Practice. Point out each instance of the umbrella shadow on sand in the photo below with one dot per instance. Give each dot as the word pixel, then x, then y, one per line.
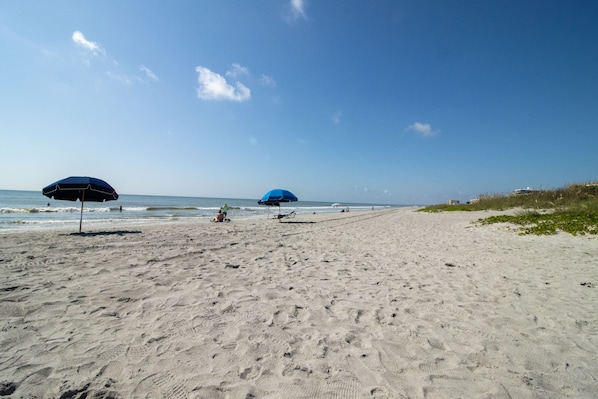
pixel 106 233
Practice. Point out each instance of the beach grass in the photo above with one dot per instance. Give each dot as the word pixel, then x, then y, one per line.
pixel 572 209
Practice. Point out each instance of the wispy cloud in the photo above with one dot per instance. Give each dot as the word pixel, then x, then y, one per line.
pixel 422 129
pixel 213 86
pixel 93 47
pixel 336 117
pixel 236 71
pixel 297 10
pixel 298 7
pixel 267 81
pixel 148 72
pixel 122 78
pixel 114 72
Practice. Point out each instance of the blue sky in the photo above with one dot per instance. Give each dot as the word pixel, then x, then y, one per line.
pixel 399 102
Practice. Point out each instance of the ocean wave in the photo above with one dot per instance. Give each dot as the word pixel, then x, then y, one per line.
pixel 53 210
pixel 172 208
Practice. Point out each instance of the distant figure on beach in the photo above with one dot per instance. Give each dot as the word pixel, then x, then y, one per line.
pixel 120 208
pixel 224 210
pixel 219 217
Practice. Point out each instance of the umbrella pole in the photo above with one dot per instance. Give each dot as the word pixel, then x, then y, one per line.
pixel 81 218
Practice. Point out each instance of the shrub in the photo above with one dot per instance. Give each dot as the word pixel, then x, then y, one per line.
pixel 572 209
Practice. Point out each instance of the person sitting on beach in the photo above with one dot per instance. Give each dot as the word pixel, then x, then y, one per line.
pixel 219 217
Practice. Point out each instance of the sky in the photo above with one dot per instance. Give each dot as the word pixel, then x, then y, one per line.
pixel 376 102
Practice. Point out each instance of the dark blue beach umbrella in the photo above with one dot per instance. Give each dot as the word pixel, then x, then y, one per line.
pixel 81 188
pixel 276 196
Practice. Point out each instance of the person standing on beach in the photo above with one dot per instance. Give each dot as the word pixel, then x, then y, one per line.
pixel 224 209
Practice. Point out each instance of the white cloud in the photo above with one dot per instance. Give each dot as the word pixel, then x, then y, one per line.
pixel 298 8
pixel 336 117
pixel 213 86
pixel 423 129
pixel 81 41
pixel 148 72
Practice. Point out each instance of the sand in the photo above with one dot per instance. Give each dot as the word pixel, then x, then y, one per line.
pixel 380 304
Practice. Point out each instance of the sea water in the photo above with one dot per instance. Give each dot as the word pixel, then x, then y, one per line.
pixel 20 210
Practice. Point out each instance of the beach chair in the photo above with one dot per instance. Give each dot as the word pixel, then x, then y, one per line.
pixel 289 215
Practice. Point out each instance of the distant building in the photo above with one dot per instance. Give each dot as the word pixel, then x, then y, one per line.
pixel 453 202
pixel 528 190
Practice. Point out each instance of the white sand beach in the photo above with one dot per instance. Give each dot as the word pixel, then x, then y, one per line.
pixel 380 304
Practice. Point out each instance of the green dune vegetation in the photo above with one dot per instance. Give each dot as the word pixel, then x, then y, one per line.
pixel 572 209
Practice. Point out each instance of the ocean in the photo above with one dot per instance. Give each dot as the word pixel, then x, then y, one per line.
pixel 21 210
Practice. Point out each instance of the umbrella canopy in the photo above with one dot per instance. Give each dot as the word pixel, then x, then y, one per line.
pixel 81 188
pixel 276 196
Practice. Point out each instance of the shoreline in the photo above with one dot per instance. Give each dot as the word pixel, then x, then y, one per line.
pixel 26 210
pixel 108 225
pixel 386 303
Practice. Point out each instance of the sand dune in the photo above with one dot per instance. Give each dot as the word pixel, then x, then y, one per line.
pixel 381 304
